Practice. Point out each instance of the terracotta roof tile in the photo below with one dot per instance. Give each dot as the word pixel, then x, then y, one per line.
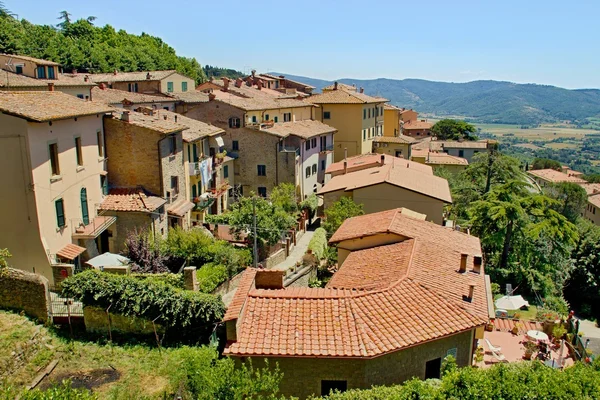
pixel 477 145
pixel 343 97
pixel 180 207
pixel 38 61
pixel 131 76
pixel 70 251
pixel 394 139
pixel 258 102
pixel 191 97
pixel 591 188
pixel 417 125
pixel 400 174
pixel 48 106
pixel 594 200
pixel 10 80
pixel 155 122
pixel 445 159
pixel 551 175
pixel 114 96
pixel 239 298
pixel 131 200
pixel 364 161
pixel 195 129
pixel 304 129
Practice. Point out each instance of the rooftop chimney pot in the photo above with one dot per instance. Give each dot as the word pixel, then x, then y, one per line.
pixel 463 263
pixel 50 86
pixel 115 72
pixel 148 76
pixel 125 116
pixel 471 293
pixel 345 167
pixel 362 90
pixel 477 261
pixel 86 78
pixel 382 159
pixel 225 84
pixel 335 86
pixel 211 96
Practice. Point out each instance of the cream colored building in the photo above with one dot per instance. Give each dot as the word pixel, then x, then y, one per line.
pixel 148 82
pixel 53 160
pixel 390 183
pixel 391 120
pixel 397 146
pixel 21 73
pixel 359 119
pixel 592 209
pixel 131 100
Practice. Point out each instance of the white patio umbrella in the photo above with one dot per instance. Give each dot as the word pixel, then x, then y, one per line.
pixel 511 302
pixel 108 260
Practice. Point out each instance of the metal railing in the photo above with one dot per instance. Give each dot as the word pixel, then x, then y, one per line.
pixel 326 148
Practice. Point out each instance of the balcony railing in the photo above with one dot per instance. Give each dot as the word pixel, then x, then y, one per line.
pixel 289 149
pixel 326 148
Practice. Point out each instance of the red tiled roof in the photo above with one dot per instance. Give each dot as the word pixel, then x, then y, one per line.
pixel 374 268
pixel 363 161
pixel 551 175
pixel 180 207
pixel 420 298
pixel 70 251
pixel 417 125
pixel 507 325
pixel 591 188
pixel 131 200
pixel 239 298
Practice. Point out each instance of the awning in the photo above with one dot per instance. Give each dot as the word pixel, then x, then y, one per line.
pixel 94 228
pixel 220 142
pixel 511 302
pixel 108 260
pixel 70 251
pixel 180 207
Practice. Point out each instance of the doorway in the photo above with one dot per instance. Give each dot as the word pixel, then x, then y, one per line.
pixel 433 368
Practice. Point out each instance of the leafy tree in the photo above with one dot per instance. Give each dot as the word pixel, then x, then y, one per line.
pixel 572 199
pixel 583 287
pixel 451 129
pixel 546 163
pixel 65 18
pixel 217 72
pixel 284 196
pixel 338 212
pixel 592 178
pixel 145 255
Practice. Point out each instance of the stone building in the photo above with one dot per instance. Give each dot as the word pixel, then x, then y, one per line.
pixel 397 146
pixel 148 82
pixel 146 150
pixel 132 100
pixel 53 161
pixel 407 294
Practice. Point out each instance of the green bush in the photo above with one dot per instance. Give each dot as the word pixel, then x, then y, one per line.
pixel 318 243
pixel 556 303
pixel 127 295
pixel 515 381
pixel 210 276
pixel 168 278
pixel 64 391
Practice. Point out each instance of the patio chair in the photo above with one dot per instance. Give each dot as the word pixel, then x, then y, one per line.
pixel 492 348
pixel 498 356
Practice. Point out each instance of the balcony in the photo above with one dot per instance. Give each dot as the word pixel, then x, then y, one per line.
pixel 289 149
pixel 326 149
pixel 93 229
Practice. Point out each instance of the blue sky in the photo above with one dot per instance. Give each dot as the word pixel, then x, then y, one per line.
pixel 548 42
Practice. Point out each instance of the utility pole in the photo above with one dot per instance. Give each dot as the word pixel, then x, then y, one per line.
pixel 254 250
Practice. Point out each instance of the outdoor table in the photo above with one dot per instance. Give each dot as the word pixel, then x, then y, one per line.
pixel 537 335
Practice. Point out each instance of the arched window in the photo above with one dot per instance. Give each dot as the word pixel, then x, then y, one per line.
pixel 85 215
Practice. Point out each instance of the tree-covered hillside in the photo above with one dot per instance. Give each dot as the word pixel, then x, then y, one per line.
pixel 79 44
pixel 483 101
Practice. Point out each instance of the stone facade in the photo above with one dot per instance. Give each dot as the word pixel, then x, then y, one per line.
pixel 303 377
pixel 143 86
pixel 27 292
pixel 131 221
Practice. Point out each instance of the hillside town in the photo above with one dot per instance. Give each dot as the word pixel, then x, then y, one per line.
pixel 323 231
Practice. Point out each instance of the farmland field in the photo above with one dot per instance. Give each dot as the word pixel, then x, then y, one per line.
pixel 544 132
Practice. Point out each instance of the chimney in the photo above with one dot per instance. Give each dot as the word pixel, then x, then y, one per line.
pixel 595 191
pixel 148 76
pixel 259 84
pixel 345 166
pixel 362 90
pixel 125 115
pixel 477 261
pixel 382 159
pixel 211 96
pixel 50 86
pixel 345 153
pixel 86 78
pixel 102 86
pixel 74 72
pixel 225 84
pixel 463 263
pixel 469 298
pixel 165 117
pixel 269 279
pixel 335 86
pixel 253 73
pixel 115 72
pixel 282 76
pixel 238 82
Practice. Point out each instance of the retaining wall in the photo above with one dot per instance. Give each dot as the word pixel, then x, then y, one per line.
pixel 24 291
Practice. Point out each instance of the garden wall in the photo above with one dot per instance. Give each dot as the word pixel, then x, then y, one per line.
pixel 24 291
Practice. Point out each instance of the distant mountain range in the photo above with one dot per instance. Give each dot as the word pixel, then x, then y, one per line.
pixel 480 101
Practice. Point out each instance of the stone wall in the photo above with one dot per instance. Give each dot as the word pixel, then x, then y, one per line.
pixel 274 259
pixel 150 86
pixel 130 221
pixel 60 272
pixel 301 277
pixel 96 321
pixel 229 285
pixel 27 292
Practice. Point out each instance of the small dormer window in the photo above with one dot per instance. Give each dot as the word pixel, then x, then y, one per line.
pixel 41 72
pixel 19 69
pixel 51 74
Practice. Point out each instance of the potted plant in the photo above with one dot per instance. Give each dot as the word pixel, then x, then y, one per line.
pixel 558 332
pixel 530 348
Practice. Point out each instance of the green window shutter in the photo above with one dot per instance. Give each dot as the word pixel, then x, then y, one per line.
pixel 60 213
pixel 226 171
pixel 170 87
pixel 195 153
pixel 85 216
pixel 184 86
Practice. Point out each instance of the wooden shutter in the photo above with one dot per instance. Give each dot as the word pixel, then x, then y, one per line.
pixel 60 213
pixel 85 216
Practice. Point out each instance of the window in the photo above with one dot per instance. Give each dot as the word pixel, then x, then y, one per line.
pixel 172 144
pixel 308 172
pixel 132 87
pixel 262 191
pixel 452 352
pixel 262 170
pixel 41 72
pixel 53 149
pixel 85 214
pixel 432 368
pixel 322 165
pixel 19 69
pixel 323 142
pixel 226 171
pixel 184 86
pixel 314 169
pixel 307 145
pixel 60 213
pixel 266 117
pixel 364 135
pixel 100 139
pixel 80 96
pixel 234 122
pixel 327 115
pixel 329 386
pixel 287 117
pixel 313 142
pixel 275 119
pixel 254 119
pixel 175 184
pixel 170 87
pixel 235 145
pixel 51 74
pixel 104 184
pixel 364 113
pixel 194 152
pixel 78 152
pixel 194 192
pixel 461 153
pixel 369 113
